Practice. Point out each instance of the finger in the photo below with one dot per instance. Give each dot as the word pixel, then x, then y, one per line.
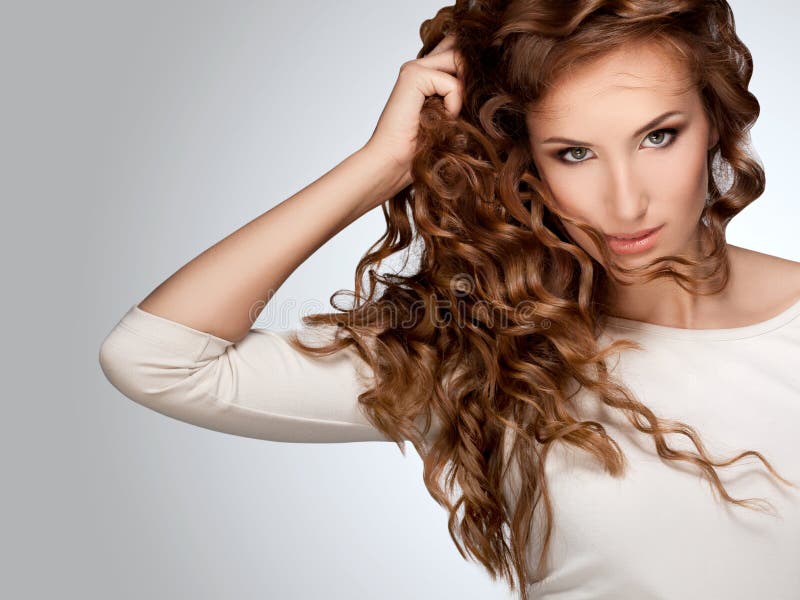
pixel 445 43
pixel 437 82
pixel 449 61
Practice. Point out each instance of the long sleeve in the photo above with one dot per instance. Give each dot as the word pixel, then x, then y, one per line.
pixel 259 387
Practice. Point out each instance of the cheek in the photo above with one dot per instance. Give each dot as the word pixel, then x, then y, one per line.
pixel 568 187
pixel 679 179
pixel 569 190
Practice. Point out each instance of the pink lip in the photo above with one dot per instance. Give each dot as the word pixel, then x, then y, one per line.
pixel 635 234
pixel 634 246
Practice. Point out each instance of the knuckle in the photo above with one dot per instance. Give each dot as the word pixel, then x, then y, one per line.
pixel 408 65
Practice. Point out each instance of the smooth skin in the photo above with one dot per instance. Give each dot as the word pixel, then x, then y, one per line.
pixel 622 182
pixel 223 290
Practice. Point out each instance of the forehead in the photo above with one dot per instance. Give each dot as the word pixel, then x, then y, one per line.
pixel 642 79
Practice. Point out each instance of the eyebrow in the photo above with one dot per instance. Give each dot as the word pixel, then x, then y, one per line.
pixel 638 132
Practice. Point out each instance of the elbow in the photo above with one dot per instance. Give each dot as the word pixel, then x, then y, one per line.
pixel 141 371
pixel 162 378
pixel 122 368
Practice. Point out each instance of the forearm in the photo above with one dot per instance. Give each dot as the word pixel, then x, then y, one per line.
pixel 217 291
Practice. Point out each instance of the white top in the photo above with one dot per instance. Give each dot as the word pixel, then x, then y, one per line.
pixel 657 533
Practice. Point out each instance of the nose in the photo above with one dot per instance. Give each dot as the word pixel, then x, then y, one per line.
pixel 627 198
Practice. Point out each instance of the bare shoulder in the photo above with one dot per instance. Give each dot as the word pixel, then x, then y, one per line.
pixel 772 266
pixel 772 281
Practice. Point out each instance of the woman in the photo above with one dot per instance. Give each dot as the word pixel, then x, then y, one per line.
pixel 568 384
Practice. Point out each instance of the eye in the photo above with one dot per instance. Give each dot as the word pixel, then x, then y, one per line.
pixel 581 153
pixel 672 132
pixel 656 137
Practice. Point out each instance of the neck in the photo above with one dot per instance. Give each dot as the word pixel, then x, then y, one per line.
pixel 664 302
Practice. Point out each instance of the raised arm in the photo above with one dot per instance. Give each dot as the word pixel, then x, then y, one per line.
pixel 188 350
pixel 219 291
pixel 258 387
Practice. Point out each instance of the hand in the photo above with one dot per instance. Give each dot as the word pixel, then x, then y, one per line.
pixel 438 72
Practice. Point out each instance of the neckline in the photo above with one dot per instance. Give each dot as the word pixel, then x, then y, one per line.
pixel 729 333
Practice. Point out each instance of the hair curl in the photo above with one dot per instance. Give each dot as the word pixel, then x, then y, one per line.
pixel 504 309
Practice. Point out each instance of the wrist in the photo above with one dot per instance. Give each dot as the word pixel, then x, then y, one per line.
pixel 390 177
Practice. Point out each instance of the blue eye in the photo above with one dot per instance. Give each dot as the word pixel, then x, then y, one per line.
pixel 671 131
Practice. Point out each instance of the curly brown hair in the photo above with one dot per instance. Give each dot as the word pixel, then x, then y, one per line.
pixel 475 352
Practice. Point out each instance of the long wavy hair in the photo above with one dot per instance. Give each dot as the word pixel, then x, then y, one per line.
pixel 474 350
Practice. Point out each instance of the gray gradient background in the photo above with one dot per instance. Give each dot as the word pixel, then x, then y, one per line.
pixel 136 135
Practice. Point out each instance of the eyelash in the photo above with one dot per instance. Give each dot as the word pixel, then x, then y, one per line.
pixel 673 131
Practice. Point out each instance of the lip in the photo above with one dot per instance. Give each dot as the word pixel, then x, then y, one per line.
pixel 635 234
pixel 645 240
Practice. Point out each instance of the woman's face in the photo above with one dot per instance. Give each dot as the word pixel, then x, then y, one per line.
pixel 618 165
